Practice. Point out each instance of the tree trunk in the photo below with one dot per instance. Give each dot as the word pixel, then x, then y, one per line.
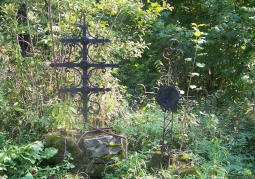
pixel 24 39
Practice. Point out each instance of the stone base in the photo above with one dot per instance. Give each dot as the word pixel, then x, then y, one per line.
pixel 92 155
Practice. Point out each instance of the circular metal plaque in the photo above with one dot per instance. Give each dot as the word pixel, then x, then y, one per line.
pixel 167 97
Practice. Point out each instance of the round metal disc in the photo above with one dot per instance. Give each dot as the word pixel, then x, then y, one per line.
pixel 167 97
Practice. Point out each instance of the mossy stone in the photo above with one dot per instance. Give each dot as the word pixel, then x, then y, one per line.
pixel 156 160
pixel 64 145
pixel 83 155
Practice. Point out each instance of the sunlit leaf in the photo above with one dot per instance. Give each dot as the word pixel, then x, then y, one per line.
pixel 181 92
pixel 197 33
pixel 54 111
pixel 195 74
pixel 188 59
pixel 73 110
pixel 49 152
pixel 192 86
pixel 36 146
pixel 201 65
pixel 217 29
pixel 201 25
pixel 17 108
pixel 7 159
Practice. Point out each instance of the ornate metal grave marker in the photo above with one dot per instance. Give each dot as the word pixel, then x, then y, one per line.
pixel 85 88
pixel 168 95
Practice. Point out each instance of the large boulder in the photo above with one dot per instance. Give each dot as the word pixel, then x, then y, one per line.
pixel 99 147
pixel 92 153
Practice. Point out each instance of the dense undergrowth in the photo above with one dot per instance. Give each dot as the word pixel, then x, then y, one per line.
pixel 215 144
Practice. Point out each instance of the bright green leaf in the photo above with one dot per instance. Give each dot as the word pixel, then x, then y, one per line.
pixel 197 33
pixel 7 159
pixel 2 155
pixel 49 152
pixel 17 108
pixel 28 176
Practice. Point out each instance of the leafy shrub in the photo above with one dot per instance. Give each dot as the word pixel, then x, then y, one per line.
pixel 25 161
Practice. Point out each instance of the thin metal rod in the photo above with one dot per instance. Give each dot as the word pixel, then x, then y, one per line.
pixel 85 73
pixel 163 134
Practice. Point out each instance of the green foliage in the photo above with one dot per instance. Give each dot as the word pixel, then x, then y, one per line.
pixel 226 53
pixel 211 150
pixel 144 130
pixel 18 162
pixel 57 171
pixel 27 162
pixel 65 115
pixel 135 168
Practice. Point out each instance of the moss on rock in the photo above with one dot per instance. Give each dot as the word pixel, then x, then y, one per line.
pixel 64 144
pixel 94 154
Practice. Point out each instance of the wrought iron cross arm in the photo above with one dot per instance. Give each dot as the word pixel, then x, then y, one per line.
pixel 84 90
pixel 66 64
pixel 96 90
pixel 71 90
pixel 103 40
pixel 84 64
pixel 86 40
pixel 70 40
